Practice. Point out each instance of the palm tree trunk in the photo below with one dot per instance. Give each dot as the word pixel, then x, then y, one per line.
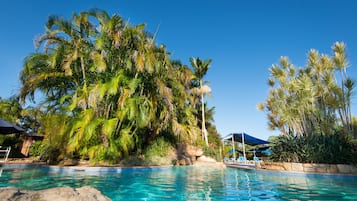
pixel 204 131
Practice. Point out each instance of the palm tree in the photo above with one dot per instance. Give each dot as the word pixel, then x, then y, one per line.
pixel 133 97
pixel 63 65
pixel 200 69
pixel 10 109
pixel 120 90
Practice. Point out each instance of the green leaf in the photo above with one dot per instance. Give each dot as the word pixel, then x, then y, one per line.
pixel 109 127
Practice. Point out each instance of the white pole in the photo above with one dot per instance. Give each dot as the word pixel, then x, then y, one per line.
pixel 234 151
pixel 204 131
pixel 245 159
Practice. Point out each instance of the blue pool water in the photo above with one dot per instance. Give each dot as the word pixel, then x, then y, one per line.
pixel 186 183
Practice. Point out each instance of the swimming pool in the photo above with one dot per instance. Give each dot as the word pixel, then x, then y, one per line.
pixel 185 183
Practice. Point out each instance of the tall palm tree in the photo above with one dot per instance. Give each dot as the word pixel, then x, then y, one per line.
pixel 200 69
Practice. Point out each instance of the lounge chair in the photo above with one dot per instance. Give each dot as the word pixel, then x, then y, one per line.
pixel 256 159
pixel 4 154
pixel 244 162
pixel 228 160
pixel 241 159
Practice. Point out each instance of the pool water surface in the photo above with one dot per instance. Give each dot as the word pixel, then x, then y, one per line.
pixel 186 183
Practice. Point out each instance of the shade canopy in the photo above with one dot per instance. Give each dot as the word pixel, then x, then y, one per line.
pixel 248 139
pixel 8 128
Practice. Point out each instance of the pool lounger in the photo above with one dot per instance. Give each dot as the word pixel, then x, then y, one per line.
pixel 4 154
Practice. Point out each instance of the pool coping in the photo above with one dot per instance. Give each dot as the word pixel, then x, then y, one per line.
pixel 253 168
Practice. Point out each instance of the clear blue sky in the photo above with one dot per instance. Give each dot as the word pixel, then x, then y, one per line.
pixel 243 38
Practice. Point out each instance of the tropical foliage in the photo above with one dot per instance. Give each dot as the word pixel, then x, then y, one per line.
pixel 200 69
pixel 314 99
pixel 311 107
pixel 114 88
pixel 10 109
pixel 317 148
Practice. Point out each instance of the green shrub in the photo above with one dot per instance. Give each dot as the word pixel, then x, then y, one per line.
pixel 159 161
pixel 50 154
pixel 36 149
pixel 159 147
pixel 132 161
pixel 45 152
pixel 160 152
pixel 315 148
pixel 212 152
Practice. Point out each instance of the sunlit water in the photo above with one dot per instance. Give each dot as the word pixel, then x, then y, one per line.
pixel 186 183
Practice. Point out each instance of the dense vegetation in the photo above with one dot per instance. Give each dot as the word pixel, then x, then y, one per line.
pixel 311 107
pixel 111 92
pixel 315 148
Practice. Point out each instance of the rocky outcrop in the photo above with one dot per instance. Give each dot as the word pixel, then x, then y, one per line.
pixel 187 154
pixel 85 193
pixel 192 150
pixel 191 155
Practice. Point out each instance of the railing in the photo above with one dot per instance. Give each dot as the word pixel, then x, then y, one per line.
pixel 4 154
pixel 242 161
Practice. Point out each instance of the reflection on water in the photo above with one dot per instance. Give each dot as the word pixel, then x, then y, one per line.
pixel 309 187
pixel 189 183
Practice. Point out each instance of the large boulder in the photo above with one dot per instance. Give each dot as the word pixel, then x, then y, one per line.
pixel 189 150
pixel 193 151
pixel 187 154
pixel 85 193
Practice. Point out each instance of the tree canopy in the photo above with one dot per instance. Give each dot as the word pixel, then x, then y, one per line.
pixel 115 87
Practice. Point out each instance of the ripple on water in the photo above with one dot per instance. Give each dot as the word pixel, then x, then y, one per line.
pixel 187 183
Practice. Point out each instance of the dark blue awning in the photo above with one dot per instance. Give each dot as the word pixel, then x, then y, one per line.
pixel 8 128
pixel 248 139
